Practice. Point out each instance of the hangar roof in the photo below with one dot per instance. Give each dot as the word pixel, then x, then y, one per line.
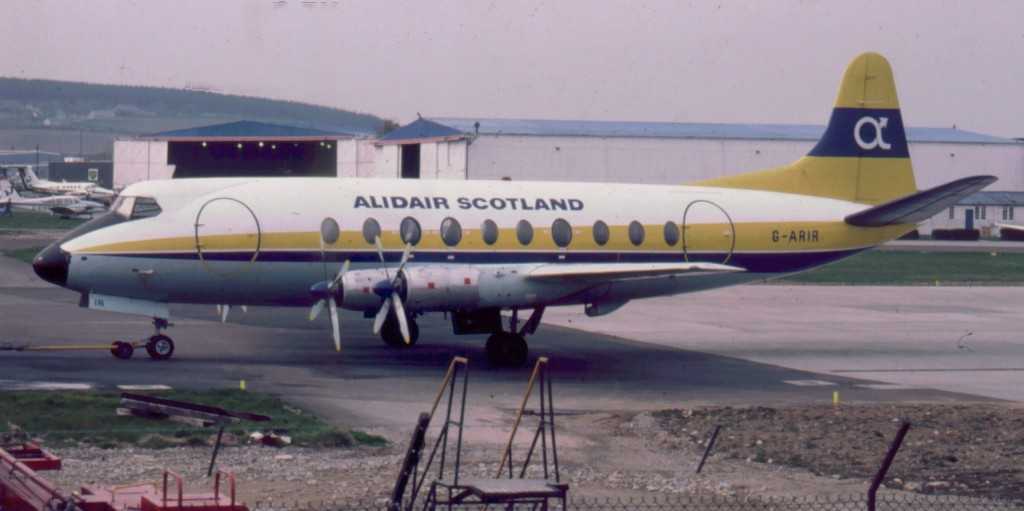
pixel 994 199
pixel 447 127
pixel 247 130
pixel 423 129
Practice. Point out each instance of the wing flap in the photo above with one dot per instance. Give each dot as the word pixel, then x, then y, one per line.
pixel 920 206
pixel 627 270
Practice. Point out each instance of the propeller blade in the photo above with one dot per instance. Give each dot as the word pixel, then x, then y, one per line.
pixel 224 313
pixel 380 247
pixel 382 314
pixel 245 309
pixel 405 258
pixel 341 273
pixel 315 311
pixel 335 324
pixel 403 325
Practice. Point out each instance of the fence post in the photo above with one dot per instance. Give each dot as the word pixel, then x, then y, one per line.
pixel 707 450
pixel 884 469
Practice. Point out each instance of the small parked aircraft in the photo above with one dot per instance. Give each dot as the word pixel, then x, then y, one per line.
pixel 395 249
pixel 85 189
pixel 67 206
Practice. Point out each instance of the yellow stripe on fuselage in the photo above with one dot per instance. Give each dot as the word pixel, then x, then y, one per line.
pixel 749 237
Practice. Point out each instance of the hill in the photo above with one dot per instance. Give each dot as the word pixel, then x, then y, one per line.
pixel 49 111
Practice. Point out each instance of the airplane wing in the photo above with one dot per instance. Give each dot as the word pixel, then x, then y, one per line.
pixel 1011 227
pixel 605 272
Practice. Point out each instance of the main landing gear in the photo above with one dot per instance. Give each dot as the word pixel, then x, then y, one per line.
pixel 391 332
pixel 159 346
pixel 509 349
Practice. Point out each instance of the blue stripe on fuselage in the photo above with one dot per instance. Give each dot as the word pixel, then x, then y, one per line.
pixel 765 262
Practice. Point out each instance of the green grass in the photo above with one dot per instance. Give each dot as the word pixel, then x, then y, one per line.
pixel 71 418
pixel 30 220
pixel 22 254
pixel 919 268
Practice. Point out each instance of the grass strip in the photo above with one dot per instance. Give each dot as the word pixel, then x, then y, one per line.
pixel 918 268
pixel 63 418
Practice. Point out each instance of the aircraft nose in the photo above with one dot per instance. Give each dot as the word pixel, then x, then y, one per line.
pixel 51 264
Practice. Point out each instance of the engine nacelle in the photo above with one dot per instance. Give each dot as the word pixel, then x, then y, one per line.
pixel 358 286
pixel 441 287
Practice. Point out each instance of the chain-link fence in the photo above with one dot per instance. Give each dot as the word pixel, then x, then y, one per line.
pixel 885 502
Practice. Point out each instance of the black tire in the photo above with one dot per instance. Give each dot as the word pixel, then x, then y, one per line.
pixel 507 350
pixel 391 332
pixel 160 347
pixel 122 350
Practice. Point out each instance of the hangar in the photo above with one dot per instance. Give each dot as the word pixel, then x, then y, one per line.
pixel 658 153
pixel 243 148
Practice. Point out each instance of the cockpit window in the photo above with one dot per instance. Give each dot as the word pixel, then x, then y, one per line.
pixel 145 207
pixel 123 206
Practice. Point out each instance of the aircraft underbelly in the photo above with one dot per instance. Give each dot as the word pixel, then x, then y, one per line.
pixel 243 282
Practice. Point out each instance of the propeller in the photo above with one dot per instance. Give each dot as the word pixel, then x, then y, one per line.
pixel 327 291
pixel 390 293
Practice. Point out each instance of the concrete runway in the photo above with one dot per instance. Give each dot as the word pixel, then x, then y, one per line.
pixel 723 347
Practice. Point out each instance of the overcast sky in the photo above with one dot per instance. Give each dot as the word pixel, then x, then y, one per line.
pixel 956 63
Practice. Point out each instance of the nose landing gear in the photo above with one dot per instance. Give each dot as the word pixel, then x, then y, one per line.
pixel 158 347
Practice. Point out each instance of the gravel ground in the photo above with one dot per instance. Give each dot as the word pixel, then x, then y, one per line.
pixel 970 449
pixel 601 455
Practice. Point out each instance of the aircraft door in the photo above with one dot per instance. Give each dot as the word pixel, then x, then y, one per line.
pixel 709 234
pixel 228 236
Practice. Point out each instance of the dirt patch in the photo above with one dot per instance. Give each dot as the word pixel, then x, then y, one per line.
pixel 971 449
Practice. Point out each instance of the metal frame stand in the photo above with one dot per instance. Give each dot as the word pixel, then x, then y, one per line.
pixel 511 491
pixel 411 466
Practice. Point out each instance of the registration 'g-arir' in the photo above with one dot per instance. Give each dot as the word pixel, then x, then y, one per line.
pixel 396 249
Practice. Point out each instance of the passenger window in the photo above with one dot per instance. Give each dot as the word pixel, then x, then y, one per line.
pixel 371 230
pixel 636 233
pixel 524 232
pixel 410 231
pixel 671 233
pixel 561 232
pixel 145 207
pixel 489 229
pixel 329 231
pixel 451 231
pixel 601 233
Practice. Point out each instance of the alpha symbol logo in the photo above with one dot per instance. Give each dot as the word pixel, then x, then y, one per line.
pixel 879 124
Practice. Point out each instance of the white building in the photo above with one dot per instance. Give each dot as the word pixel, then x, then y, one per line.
pixel 663 153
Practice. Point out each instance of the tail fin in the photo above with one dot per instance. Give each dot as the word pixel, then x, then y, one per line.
pixel 862 156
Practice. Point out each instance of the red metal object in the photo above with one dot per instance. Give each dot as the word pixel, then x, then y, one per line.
pixel 22 489
pixel 34 457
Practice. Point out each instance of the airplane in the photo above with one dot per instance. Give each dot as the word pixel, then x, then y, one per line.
pixel 397 249
pixel 92 191
pixel 67 206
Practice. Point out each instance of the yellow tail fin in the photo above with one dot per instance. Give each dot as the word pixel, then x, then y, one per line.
pixel 862 156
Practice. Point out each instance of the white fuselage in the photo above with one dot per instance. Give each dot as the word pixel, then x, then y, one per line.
pixel 259 241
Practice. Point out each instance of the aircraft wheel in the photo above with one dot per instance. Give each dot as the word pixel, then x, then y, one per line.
pixel 391 333
pixel 122 350
pixel 160 347
pixel 507 350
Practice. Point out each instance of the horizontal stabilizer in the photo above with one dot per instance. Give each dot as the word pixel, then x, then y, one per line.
pixel 626 270
pixel 920 206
